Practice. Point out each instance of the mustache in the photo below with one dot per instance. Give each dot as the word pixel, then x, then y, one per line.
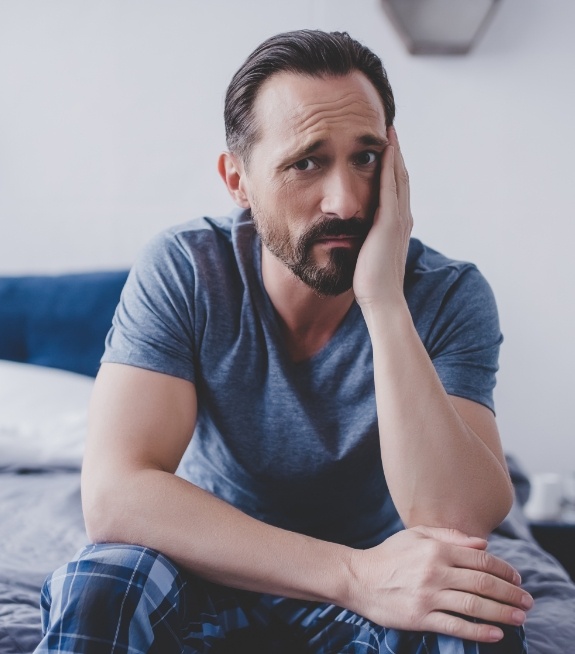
pixel 337 227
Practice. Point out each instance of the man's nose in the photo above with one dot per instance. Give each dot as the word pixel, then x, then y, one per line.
pixel 341 198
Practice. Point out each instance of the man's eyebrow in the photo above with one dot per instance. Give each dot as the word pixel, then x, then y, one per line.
pixel 375 141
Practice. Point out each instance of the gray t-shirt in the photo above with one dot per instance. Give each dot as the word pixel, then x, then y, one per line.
pixel 293 444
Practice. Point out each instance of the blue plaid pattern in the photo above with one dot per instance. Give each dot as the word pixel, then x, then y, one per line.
pixel 125 599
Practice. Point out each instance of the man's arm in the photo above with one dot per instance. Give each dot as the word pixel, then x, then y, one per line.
pixel 140 425
pixel 442 456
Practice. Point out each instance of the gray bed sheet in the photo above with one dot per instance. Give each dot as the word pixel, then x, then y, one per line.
pixel 41 527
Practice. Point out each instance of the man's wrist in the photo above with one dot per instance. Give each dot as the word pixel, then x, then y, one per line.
pixel 386 311
pixel 339 578
pixel 355 584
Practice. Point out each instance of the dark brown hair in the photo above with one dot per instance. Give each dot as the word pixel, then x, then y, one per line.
pixel 305 52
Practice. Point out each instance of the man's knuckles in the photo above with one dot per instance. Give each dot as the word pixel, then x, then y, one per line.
pixel 451 625
pixel 483 561
pixel 454 626
pixel 470 605
pixel 484 584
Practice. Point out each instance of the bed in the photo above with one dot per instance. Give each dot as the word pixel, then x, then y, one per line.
pixel 52 331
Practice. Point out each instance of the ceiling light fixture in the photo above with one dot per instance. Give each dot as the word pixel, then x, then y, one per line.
pixel 440 26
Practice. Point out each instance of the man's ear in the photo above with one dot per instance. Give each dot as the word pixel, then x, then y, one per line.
pixel 232 171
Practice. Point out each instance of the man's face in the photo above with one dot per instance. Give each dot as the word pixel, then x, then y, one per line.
pixel 313 175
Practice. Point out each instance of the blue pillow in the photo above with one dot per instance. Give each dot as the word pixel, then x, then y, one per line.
pixel 58 321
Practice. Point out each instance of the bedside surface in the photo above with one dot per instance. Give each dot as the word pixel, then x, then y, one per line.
pixel 557 538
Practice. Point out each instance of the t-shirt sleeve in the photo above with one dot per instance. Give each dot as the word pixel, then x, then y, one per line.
pixel 464 339
pixel 153 326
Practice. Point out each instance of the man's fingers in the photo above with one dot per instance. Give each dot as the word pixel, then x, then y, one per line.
pixel 453 625
pixel 482 608
pixel 401 178
pixel 388 186
pixel 452 536
pixel 470 553
pixel 388 200
pixel 485 585
pixel 474 570
pixel 448 584
pixel 482 561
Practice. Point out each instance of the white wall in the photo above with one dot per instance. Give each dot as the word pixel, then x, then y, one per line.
pixel 110 126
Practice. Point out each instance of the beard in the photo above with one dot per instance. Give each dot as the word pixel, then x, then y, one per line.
pixel 333 277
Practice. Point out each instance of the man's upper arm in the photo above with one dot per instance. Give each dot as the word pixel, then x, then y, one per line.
pixel 138 419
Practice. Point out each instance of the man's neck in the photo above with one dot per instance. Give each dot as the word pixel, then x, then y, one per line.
pixel 308 321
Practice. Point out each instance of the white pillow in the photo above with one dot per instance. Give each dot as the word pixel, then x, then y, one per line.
pixel 43 416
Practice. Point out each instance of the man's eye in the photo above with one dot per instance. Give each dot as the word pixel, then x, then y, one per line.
pixel 366 158
pixel 305 164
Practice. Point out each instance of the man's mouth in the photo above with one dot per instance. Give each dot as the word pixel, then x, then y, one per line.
pixel 332 233
pixel 340 240
pixel 334 229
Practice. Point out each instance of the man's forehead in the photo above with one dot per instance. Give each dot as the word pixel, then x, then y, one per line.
pixel 291 101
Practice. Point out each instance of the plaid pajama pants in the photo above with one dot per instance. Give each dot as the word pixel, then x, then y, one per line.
pixel 124 599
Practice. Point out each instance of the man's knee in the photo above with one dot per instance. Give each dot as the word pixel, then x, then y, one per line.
pixel 112 579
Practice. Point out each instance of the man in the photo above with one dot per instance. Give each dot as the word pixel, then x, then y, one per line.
pixel 310 347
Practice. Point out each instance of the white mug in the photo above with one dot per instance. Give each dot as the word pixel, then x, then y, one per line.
pixel 546 497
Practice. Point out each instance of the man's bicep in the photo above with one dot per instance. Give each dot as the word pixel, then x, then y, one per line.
pixel 139 419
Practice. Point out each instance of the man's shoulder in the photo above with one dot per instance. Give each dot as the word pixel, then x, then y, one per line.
pixel 221 227
pixel 422 259
pixel 434 280
pixel 198 239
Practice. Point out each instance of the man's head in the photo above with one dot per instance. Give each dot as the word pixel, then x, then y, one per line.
pixel 306 121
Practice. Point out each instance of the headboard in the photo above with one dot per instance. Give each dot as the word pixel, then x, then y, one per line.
pixel 59 321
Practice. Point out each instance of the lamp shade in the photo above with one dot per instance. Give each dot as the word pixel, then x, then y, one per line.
pixel 440 26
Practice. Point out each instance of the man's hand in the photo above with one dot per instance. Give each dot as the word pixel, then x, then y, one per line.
pixel 419 578
pixel 380 266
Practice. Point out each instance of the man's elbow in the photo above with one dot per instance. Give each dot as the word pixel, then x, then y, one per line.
pixel 502 506
pixel 105 513
pixel 491 514
pixel 478 519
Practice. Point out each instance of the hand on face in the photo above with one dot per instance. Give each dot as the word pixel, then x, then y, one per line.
pixel 380 266
pixel 424 579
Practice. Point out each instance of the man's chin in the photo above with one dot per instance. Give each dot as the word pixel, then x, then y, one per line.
pixel 326 283
pixel 333 291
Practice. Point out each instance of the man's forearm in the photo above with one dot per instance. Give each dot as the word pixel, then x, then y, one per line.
pixel 214 540
pixel 439 472
pixel 384 584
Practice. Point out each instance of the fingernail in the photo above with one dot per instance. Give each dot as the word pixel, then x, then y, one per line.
pixel 518 617
pixel 527 601
pixel 495 634
pixel 517 579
